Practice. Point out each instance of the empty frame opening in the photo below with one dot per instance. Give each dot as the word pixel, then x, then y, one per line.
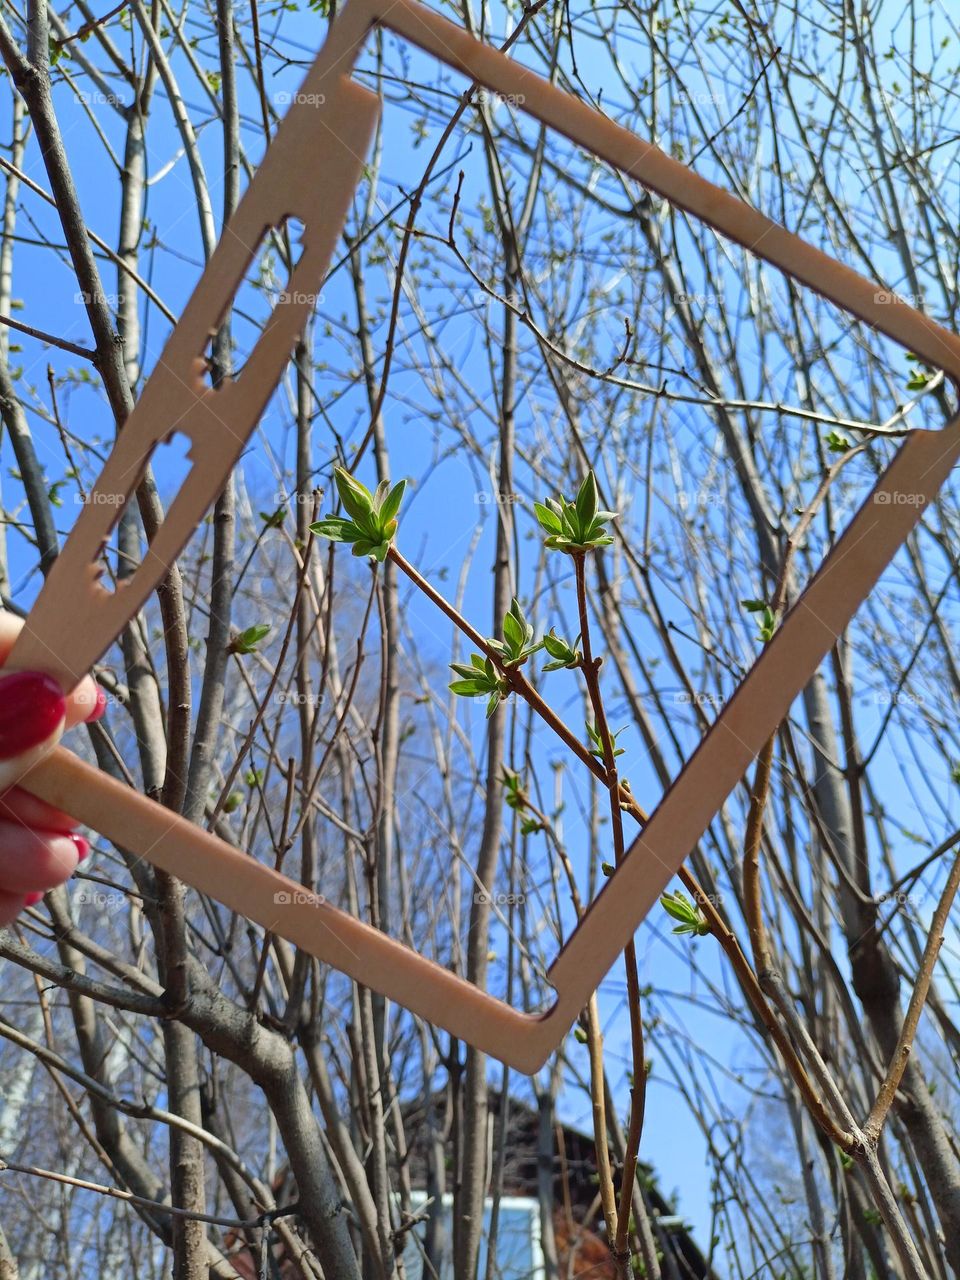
pixel 267 282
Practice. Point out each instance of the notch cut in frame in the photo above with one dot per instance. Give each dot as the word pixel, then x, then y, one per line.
pixel 331 113
pixel 218 421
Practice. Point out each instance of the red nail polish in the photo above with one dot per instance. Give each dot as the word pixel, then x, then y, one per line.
pixel 83 846
pixel 31 706
pixel 100 708
pixel 32 899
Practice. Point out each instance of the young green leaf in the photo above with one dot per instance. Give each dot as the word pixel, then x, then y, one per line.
pixel 467 688
pixel 468 673
pixel 575 526
pixel 597 740
pixel 768 624
pixel 563 654
pixel 587 500
pixel 373 525
pixel 517 644
pixel 334 528
pixel 391 503
pixel 479 679
pixel 548 519
pixel 512 631
pixel 514 794
pixel 691 919
pixel 356 497
pixel 247 641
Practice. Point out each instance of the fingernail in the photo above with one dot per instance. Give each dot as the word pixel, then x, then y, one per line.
pixel 32 899
pixel 31 706
pixel 83 846
pixel 99 708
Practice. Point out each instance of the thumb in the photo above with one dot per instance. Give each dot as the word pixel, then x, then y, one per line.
pixel 32 708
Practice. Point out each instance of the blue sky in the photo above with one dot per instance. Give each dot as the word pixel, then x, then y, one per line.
pixel 441 513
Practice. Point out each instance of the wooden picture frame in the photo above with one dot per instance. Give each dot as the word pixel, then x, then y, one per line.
pixel 75 618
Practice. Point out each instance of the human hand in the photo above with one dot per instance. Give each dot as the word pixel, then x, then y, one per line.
pixel 38 849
